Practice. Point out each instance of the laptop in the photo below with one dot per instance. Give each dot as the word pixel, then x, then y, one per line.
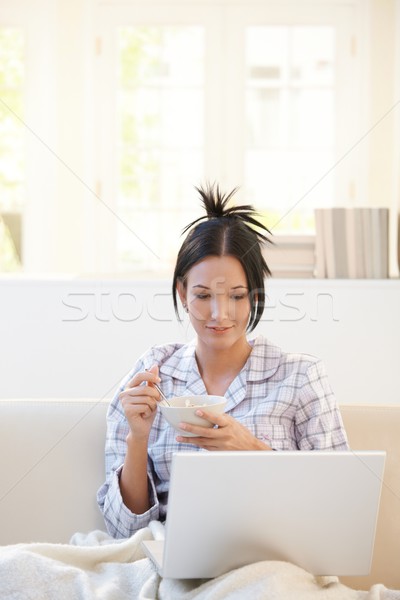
pixel 315 509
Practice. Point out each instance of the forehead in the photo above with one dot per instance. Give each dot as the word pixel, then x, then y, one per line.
pixel 217 270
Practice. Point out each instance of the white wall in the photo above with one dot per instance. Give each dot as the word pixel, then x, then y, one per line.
pixel 78 338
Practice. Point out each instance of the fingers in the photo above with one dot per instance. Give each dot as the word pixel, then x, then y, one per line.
pixel 139 404
pixel 140 391
pixel 226 436
pixel 142 407
pixel 198 432
pixel 216 419
pixel 221 421
pixel 230 436
pixel 150 376
pixel 145 411
pixel 139 398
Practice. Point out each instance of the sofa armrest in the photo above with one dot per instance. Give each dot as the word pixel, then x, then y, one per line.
pixel 377 427
pixel 51 465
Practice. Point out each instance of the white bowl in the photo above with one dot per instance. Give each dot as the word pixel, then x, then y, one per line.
pixel 179 412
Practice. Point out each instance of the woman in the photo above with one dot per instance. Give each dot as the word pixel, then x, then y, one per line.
pixel 275 400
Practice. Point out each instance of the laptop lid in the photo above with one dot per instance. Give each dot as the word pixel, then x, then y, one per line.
pixel 316 509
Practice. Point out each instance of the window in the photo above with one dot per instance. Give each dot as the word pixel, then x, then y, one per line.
pixel 121 108
pixel 12 145
pixel 248 95
pixel 160 141
pixel 290 120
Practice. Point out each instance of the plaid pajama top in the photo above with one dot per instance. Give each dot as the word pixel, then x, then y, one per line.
pixel 284 400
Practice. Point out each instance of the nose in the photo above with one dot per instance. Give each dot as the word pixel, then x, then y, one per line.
pixel 220 308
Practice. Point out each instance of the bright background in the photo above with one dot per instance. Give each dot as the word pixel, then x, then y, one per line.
pixel 111 111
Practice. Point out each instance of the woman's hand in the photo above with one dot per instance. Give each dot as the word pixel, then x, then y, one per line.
pixel 140 402
pixel 228 435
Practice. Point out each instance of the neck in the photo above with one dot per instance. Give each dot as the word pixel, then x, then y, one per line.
pixel 217 367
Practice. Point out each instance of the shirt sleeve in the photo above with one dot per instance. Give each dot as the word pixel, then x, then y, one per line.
pixel 319 424
pixel 120 521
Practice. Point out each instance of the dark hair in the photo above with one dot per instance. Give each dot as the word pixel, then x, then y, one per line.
pixel 226 231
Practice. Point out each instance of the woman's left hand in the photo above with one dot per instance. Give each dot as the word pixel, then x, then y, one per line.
pixel 228 435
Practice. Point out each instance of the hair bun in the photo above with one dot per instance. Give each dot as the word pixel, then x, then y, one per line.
pixel 215 204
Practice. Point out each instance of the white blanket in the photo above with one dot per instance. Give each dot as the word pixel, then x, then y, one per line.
pixel 94 566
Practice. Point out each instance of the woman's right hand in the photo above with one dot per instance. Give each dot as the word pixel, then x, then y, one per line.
pixel 140 402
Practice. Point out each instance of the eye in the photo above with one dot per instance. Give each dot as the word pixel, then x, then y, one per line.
pixel 239 296
pixel 202 296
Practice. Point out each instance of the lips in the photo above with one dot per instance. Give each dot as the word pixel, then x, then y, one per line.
pixel 219 329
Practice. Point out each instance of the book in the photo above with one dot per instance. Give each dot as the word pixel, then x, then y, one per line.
pixel 291 256
pixel 339 243
pixel 367 242
pixel 384 220
pixel 351 217
pixel 359 243
pixel 320 266
pixel 376 242
pixel 352 243
pixel 376 258
pixel 329 248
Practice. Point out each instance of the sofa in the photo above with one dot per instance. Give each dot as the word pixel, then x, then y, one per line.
pixel 52 463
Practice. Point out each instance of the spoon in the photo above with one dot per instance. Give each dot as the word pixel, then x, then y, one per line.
pixel 163 396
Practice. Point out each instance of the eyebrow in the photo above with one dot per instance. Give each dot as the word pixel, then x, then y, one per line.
pixel 204 287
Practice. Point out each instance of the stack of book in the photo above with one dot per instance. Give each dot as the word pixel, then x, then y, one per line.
pixel 291 256
pixel 352 243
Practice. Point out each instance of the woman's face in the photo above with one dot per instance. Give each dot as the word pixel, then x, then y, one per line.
pixel 218 300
